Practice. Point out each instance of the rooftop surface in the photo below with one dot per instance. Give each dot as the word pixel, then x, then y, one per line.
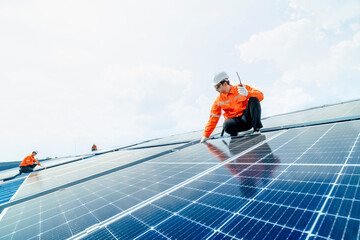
pixel 299 179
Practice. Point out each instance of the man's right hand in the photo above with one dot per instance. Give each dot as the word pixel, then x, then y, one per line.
pixel 203 139
pixel 242 90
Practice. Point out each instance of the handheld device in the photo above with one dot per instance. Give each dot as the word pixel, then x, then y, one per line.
pixel 239 78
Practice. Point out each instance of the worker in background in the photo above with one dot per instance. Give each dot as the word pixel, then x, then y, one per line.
pixel 241 106
pixel 29 163
pixel 94 147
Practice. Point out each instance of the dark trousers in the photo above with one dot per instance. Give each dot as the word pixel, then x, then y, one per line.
pixel 27 169
pixel 251 118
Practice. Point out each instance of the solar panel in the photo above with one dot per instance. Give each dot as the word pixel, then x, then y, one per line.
pixel 8 190
pixel 262 198
pixel 299 183
pixel 66 174
pixel 96 200
pixel 346 109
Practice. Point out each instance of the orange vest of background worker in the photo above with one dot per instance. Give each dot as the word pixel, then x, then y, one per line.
pixel 241 106
pixel 94 147
pixel 29 163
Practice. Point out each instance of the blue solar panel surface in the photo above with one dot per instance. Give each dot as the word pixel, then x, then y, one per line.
pixel 9 189
pixel 75 171
pixel 272 193
pixel 299 183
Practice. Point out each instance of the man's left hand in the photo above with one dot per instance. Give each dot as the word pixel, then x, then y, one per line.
pixel 203 139
pixel 242 90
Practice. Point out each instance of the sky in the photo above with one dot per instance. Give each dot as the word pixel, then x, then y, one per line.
pixel 113 73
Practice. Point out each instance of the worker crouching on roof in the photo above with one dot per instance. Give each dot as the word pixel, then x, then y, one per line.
pixel 29 163
pixel 241 106
pixel 94 147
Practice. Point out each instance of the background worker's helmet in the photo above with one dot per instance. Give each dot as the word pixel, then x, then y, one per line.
pixel 36 152
pixel 218 77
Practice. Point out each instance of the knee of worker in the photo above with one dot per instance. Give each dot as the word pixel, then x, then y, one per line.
pixel 253 101
pixel 254 105
pixel 230 126
pixel 26 170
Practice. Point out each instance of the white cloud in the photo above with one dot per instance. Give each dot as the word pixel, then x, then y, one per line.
pixel 289 44
pixel 328 14
pixel 357 67
pixel 281 99
pixel 159 99
pixel 305 56
pixel 347 51
pixel 355 27
pixel 128 104
pixel 145 82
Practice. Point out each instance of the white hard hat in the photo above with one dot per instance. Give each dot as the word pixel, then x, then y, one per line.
pixel 218 77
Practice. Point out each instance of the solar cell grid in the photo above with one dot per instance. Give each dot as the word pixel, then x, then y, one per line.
pixel 69 173
pixel 152 235
pixel 297 183
pixel 8 189
pixel 327 219
pixel 98 199
pixel 284 205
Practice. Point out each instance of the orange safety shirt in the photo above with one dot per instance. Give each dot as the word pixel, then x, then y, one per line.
pixel 29 160
pixel 233 104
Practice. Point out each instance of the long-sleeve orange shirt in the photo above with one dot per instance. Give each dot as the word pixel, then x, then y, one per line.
pixel 233 104
pixel 29 160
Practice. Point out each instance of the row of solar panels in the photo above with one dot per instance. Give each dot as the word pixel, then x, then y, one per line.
pixel 325 113
pixel 299 183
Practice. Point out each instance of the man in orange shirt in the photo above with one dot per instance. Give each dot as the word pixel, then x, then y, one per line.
pixel 29 163
pixel 241 106
pixel 94 147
